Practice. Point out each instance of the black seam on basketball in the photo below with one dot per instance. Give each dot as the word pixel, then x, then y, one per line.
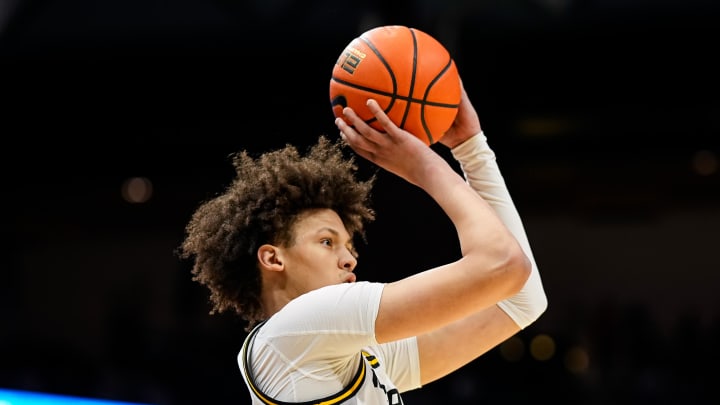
pixel 425 96
pixel 390 71
pixel 369 90
pixel 412 78
pixel 394 96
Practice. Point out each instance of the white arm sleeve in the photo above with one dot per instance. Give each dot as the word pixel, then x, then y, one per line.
pixel 481 171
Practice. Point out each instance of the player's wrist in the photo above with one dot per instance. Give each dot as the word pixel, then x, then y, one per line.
pixel 472 144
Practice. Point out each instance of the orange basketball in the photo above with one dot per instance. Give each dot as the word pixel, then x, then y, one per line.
pixel 410 74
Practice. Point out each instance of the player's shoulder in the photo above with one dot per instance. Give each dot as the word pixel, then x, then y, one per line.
pixel 330 305
pixel 337 291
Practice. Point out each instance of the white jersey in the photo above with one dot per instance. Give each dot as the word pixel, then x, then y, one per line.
pixel 321 349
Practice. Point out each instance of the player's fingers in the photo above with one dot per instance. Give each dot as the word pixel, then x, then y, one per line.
pixel 362 127
pixel 357 128
pixel 354 139
pixel 393 135
pixel 381 117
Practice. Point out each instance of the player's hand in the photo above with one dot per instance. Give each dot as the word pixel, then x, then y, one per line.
pixel 395 150
pixel 466 124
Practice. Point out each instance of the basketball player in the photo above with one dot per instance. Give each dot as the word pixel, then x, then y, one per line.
pixel 277 249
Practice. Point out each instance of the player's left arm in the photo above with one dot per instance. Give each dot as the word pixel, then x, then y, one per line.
pixel 455 345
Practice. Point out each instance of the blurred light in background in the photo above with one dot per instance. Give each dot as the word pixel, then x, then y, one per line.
pixel 542 347
pixel 577 360
pixel 512 349
pixel 17 397
pixel 545 126
pixel 136 190
pixel 705 162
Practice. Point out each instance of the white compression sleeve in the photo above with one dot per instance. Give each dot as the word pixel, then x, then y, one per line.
pixel 481 171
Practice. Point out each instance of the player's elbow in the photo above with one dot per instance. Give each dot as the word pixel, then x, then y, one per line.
pixel 505 268
pixel 517 269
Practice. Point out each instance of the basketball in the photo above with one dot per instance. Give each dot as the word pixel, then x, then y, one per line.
pixel 411 75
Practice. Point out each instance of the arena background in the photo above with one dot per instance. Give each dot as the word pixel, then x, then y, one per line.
pixel 118 118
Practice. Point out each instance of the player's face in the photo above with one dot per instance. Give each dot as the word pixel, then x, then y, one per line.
pixel 322 253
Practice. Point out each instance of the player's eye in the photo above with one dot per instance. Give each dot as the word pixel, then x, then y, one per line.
pixel 326 242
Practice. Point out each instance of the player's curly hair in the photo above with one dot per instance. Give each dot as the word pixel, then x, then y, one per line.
pixel 259 207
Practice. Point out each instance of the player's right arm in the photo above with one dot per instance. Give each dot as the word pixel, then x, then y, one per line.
pixel 493 266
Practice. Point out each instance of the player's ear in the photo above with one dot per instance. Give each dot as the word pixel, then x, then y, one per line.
pixel 269 258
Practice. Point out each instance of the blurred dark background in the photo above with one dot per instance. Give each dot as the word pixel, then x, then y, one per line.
pixel 118 119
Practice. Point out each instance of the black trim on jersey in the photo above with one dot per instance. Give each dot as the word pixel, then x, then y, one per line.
pixel 347 392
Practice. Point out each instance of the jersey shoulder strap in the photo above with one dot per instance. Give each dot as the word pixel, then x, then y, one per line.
pixel 347 392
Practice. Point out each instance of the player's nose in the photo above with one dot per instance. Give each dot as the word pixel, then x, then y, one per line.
pixel 348 261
